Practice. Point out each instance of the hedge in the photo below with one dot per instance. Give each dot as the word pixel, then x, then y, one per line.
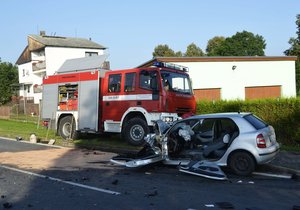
pixel 283 114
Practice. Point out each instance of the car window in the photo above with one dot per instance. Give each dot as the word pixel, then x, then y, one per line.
pixel 204 126
pixel 255 121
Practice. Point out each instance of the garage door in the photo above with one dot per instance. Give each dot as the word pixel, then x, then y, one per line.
pixel 263 92
pixel 210 94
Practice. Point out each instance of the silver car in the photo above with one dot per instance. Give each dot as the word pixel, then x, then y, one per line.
pixel 200 144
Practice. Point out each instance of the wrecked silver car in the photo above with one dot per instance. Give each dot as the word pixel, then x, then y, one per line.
pixel 200 144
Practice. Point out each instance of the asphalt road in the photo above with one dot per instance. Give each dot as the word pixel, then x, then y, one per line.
pixel 156 187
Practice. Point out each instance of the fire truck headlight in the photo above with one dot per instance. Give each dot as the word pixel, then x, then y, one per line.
pixel 168 119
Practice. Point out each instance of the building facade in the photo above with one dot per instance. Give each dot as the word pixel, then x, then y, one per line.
pixel 231 78
pixel 44 55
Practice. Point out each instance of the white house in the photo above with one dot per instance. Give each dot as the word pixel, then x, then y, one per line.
pixel 44 55
pixel 229 78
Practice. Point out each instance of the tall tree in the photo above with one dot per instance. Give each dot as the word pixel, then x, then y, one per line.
pixel 242 44
pixel 214 44
pixel 8 76
pixel 193 50
pixel 165 51
pixel 294 50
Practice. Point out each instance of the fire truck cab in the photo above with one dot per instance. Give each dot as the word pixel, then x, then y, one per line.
pixel 117 101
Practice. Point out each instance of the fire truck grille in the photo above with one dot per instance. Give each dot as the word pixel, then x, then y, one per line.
pixel 183 110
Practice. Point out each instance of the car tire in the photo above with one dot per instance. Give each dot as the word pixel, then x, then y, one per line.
pixel 67 128
pixel 242 163
pixel 135 130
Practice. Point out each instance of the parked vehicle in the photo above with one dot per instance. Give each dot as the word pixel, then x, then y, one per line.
pixel 118 101
pixel 200 144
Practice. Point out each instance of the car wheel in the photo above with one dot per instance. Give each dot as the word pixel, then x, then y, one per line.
pixel 135 130
pixel 242 163
pixel 67 128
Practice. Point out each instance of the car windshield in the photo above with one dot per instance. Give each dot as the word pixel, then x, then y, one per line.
pixel 176 82
pixel 255 121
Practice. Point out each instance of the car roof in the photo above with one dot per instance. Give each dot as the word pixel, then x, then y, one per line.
pixel 222 115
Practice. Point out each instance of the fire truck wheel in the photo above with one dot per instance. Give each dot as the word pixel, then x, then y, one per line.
pixel 135 130
pixel 67 128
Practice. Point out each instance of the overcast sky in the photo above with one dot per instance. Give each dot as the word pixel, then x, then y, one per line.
pixel 132 28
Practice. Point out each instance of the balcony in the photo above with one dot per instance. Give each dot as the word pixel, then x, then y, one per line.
pixel 38 66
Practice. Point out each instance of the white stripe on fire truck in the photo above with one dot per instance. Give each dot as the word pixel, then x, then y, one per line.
pixel 128 97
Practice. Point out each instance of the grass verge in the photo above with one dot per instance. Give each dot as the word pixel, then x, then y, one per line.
pixel 13 129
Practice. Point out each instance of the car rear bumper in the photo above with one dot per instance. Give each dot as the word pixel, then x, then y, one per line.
pixel 268 155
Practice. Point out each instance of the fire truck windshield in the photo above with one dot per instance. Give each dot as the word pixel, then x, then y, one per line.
pixel 176 82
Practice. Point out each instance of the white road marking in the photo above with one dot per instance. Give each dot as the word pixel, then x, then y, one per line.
pixel 273 175
pixel 62 181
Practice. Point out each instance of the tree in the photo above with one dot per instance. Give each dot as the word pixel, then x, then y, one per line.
pixel 213 44
pixel 8 76
pixel 193 51
pixel 294 50
pixel 165 51
pixel 242 44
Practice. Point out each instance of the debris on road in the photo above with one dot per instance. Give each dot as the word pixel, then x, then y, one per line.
pixel 7 205
pixel 115 182
pixel 151 194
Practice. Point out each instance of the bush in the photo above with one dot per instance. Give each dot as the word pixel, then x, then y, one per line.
pixel 283 114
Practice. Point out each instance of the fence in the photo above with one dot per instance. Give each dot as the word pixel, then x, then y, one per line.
pixel 5 112
pixel 20 110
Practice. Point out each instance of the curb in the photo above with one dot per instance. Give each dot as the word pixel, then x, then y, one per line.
pixel 27 142
pixel 293 173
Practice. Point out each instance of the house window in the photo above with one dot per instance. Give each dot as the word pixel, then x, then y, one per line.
pixel 129 82
pixel 23 72
pixel 89 54
pixel 114 84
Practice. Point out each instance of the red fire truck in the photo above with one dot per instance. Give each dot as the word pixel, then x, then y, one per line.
pixel 117 101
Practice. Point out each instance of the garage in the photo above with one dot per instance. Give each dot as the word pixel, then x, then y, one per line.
pixel 210 94
pixel 263 92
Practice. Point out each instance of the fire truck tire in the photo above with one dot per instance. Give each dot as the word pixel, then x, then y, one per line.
pixel 67 128
pixel 135 130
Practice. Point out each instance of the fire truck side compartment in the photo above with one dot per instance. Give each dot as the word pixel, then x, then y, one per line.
pixel 49 103
pixel 88 105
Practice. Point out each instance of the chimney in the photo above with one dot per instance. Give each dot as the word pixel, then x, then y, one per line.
pixel 42 33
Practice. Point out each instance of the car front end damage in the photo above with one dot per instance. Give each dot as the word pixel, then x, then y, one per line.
pixel 156 149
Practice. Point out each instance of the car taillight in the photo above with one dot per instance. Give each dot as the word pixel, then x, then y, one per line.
pixel 260 141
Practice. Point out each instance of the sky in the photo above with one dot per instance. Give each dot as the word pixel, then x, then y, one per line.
pixel 131 29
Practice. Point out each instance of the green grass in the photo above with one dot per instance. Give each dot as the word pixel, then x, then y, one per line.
pixel 13 129
pixel 108 142
pixel 24 118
